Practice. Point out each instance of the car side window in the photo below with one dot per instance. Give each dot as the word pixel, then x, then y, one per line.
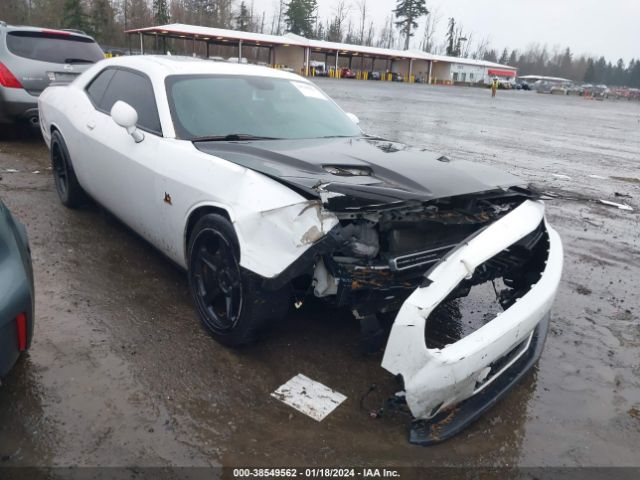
pixel 136 90
pixel 98 86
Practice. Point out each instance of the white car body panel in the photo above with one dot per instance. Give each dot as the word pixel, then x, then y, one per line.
pixel 131 179
pixel 435 379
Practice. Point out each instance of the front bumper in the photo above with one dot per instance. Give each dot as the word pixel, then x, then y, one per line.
pixel 437 380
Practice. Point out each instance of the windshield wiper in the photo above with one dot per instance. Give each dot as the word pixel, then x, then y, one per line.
pixel 232 137
pixel 78 60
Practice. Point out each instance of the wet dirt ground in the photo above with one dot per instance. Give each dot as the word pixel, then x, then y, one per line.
pixel 121 373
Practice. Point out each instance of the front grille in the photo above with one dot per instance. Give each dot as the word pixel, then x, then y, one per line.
pixel 419 259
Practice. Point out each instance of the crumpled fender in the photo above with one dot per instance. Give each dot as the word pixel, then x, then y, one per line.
pixel 272 240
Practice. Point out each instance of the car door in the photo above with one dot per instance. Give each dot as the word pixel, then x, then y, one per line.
pixel 124 174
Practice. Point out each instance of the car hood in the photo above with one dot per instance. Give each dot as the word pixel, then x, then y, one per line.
pixel 396 173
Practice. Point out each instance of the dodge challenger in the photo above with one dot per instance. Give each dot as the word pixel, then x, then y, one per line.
pixel 265 192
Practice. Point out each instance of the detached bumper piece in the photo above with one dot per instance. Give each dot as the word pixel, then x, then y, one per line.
pixel 449 423
pixel 450 381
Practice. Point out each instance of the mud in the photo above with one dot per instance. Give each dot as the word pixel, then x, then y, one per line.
pixel 121 373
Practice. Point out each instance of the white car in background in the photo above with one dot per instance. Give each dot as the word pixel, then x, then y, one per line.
pixel 265 191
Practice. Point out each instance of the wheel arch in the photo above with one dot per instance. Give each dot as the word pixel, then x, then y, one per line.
pixel 193 218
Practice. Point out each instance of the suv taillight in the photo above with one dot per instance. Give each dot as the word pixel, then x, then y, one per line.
pixel 7 79
pixel 21 326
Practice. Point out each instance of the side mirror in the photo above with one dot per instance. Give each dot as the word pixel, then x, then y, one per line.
pixel 353 118
pixel 127 117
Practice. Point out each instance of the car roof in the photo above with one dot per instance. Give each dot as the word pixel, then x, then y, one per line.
pixel 165 65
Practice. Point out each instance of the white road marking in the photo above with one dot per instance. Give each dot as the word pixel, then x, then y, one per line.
pixel 621 206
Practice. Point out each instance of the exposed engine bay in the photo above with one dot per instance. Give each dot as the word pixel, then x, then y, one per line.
pixel 382 255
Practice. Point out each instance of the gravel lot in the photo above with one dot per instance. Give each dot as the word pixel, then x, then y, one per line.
pixel 121 373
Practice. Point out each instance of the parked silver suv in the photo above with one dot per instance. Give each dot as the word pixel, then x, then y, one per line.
pixel 31 59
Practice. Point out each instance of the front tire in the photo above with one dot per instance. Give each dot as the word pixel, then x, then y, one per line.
pixel 230 302
pixel 69 190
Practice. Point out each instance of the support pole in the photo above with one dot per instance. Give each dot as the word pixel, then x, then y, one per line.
pixel 141 44
pixel 410 69
pixel 240 51
pixel 307 59
pixel 193 47
pixel 430 70
pixel 207 50
pixel 337 60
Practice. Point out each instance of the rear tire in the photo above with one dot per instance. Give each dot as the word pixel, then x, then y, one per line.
pixel 229 300
pixel 69 190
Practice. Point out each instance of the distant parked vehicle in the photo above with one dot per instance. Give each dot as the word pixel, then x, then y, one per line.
pixel 544 86
pixel 586 90
pixel 522 85
pixel 397 77
pixel 16 291
pixel 347 73
pixel 319 69
pixel 33 58
pixel 558 90
pixel 601 91
pixel 375 76
pixel 242 60
pixel 574 90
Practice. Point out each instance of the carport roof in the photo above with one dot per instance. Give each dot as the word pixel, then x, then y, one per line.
pixel 219 34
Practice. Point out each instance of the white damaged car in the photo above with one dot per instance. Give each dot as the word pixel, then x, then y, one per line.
pixel 265 191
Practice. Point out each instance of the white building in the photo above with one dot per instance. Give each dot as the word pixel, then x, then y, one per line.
pixel 299 53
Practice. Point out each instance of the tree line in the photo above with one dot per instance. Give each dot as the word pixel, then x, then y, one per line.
pixel 411 22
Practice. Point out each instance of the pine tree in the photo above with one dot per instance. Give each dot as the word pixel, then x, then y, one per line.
pixel 138 14
pixel 243 20
pixel 451 37
pixel 590 74
pixel 634 73
pixel 566 62
pixel 161 12
pixel 504 58
pixel 408 12
pixel 490 56
pixel 300 17
pixel 101 21
pixel 73 15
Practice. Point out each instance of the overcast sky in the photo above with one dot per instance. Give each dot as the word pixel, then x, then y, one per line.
pixel 599 27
